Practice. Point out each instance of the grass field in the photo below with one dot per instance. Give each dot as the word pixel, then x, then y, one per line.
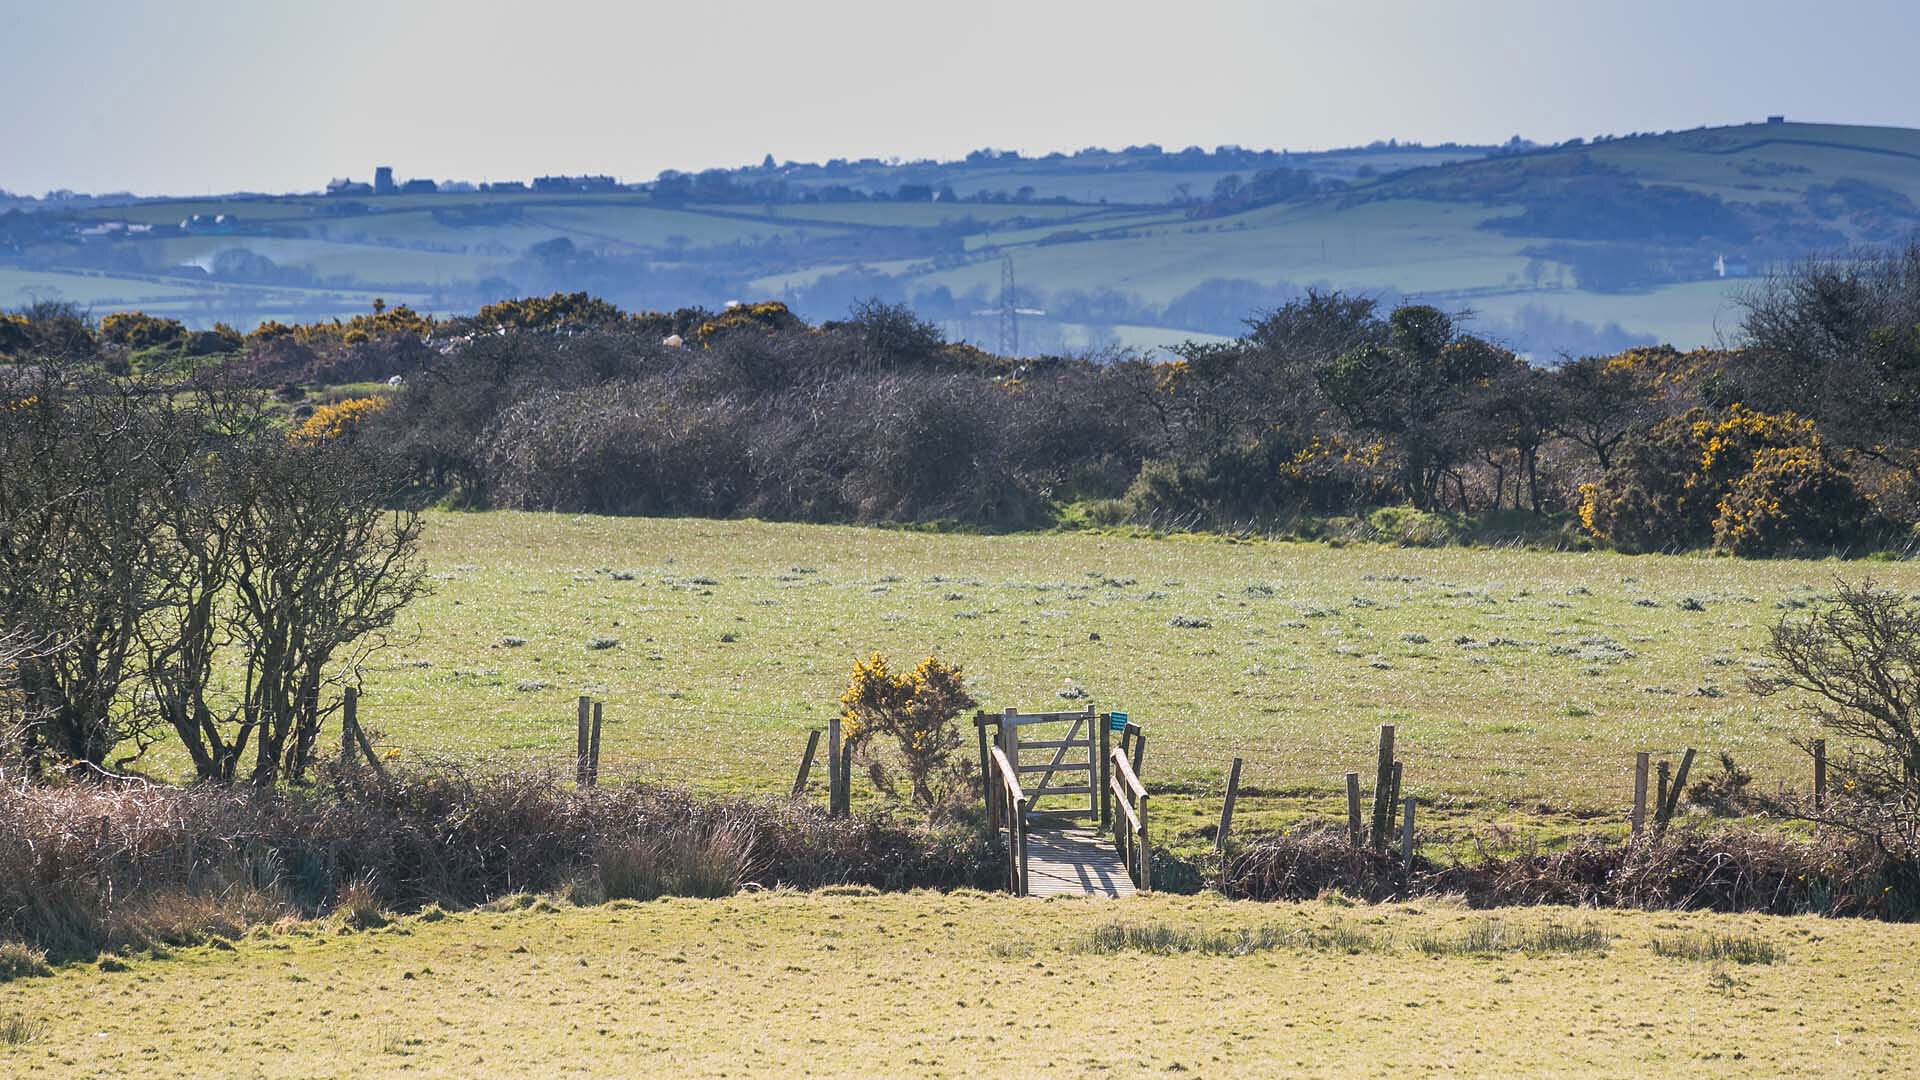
pixel 1521 682
pixel 969 985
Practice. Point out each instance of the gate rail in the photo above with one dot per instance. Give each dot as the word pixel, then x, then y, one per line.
pixel 1130 824
pixel 1009 812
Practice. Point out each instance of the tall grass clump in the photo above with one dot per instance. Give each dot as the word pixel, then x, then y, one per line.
pixel 1163 939
pixel 1491 937
pixel 17 1030
pixel 18 960
pixel 688 861
pixel 1737 948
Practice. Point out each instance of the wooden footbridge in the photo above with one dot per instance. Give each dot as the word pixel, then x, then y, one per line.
pixel 1067 849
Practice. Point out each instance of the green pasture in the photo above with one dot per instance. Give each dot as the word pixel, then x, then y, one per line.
pixel 1521 682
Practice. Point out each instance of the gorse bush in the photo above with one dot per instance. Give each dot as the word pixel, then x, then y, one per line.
pixel 919 710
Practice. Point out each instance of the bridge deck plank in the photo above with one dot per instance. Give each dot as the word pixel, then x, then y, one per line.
pixel 1066 858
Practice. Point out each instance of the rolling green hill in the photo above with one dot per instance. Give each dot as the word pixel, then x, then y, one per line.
pixel 1580 247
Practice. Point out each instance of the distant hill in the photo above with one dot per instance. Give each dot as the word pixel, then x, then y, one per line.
pixel 1568 249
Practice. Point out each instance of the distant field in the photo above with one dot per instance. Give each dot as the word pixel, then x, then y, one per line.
pixel 972 985
pixel 1417 232
pixel 1522 683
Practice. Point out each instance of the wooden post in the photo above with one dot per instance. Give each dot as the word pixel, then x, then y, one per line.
pixel 1665 778
pixel 350 722
pixel 1010 741
pixel 1383 788
pixel 1104 781
pixel 593 749
pixel 1146 846
pixel 1393 802
pixel 834 767
pixel 1406 835
pixel 1639 792
pixel 584 720
pixel 1354 834
pixel 1819 773
pixel 1672 802
pixel 1139 755
pixel 806 763
pixel 986 768
pixel 349 719
pixel 1226 810
pixel 1093 770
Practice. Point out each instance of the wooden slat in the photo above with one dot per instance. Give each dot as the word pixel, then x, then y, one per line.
pixel 1023 719
pixel 1056 744
pixel 1074 790
pixel 1075 861
pixel 1077 766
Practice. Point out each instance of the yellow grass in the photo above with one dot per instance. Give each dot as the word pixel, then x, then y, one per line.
pixel 975 985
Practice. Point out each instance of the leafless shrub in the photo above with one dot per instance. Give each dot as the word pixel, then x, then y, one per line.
pixel 1722 870
pixel 1854 665
pixel 87 868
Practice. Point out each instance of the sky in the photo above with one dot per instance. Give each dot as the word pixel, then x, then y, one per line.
pixel 192 97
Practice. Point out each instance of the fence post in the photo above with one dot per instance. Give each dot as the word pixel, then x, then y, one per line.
pixel 593 749
pixel 986 773
pixel 1354 835
pixel 1406 836
pixel 1664 771
pixel 1010 740
pixel 834 767
pixel 349 719
pixel 1383 788
pixel 1819 773
pixel 806 763
pixel 1105 778
pixel 1639 792
pixel 1093 774
pixel 1672 801
pixel 584 719
pixel 1146 847
pixel 1226 810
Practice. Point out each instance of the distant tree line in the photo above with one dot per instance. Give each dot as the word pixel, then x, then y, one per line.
pixel 1329 406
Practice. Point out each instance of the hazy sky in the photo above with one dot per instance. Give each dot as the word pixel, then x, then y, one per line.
pixel 196 96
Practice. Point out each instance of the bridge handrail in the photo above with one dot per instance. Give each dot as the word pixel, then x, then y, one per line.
pixel 1014 818
pixel 1131 795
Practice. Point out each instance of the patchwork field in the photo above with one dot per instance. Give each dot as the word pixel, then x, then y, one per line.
pixel 1411 220
pixel 969 984
pixel 1521 683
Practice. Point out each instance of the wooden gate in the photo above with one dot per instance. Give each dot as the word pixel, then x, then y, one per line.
pixel 1055 851
pixel 1059 775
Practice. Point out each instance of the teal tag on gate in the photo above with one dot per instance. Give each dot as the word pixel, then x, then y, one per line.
pixel 1117 721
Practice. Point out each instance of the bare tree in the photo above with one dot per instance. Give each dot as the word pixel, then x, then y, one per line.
pixel 1856 665
pixel 15 646
pixel 80 459
pixel 321 567
pixel 285 549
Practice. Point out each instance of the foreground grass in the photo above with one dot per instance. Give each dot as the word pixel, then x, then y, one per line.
pixel 1525 679
pixel 974 984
